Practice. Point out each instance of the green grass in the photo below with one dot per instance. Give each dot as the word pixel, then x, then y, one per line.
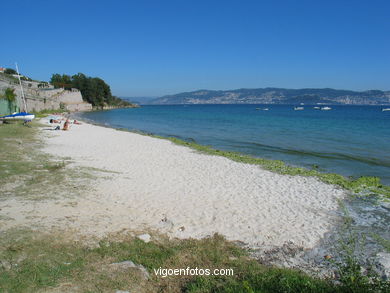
pixel 27 172
pixel 382 241
pixel 31 262
pixel 44 113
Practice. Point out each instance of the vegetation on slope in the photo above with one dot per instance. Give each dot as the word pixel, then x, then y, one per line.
pixel 93 89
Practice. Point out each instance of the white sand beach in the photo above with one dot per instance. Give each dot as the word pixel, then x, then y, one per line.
pixel 157 185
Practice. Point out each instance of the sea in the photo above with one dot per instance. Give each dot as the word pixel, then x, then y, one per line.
pixel 350 140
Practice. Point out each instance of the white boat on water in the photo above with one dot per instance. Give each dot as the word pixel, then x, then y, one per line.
pixel 326 108
pixel 26 117
pixel 299 108
pixel 317 108
pixel 385 109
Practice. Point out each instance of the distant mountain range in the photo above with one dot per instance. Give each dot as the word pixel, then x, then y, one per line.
pixel 277 96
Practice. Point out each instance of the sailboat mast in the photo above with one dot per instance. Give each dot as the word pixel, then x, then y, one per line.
pixel 21 88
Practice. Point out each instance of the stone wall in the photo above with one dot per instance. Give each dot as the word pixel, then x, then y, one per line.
pixel 38 99
pixel 78 107
pixel 53 99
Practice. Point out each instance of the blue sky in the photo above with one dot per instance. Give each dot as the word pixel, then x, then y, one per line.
pixel 153 48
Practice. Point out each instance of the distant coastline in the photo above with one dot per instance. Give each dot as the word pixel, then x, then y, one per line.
pixel 325 96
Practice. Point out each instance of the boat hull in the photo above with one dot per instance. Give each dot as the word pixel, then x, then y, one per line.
pixel 19 116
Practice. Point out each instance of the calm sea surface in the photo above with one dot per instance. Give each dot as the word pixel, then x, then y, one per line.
pixel 350 140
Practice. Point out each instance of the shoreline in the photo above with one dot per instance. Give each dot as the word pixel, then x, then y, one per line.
pixel 141 184
pixel 362 185
pixel 209 201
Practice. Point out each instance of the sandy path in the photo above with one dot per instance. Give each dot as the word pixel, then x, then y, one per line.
pixel 186 194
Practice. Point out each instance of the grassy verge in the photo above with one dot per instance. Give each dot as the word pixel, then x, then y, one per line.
pixel 27 172
pixel 44 113
pixel 32 262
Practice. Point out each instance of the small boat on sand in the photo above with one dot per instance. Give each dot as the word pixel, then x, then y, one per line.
pixel 26 117
pixel 19 116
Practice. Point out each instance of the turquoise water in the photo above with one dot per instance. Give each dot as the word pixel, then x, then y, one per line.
pixel 350 140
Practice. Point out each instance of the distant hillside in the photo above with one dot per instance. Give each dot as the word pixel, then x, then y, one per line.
pixel 278 96
pixel 138 100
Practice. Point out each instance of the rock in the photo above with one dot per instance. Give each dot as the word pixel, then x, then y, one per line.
pixel 165 223
pixel 121 291
pixel 124 264
pixel 144 237
pixel 5 265
pixel 382 265
pixel 129 264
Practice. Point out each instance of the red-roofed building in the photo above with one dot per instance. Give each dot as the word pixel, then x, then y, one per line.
pixel 2 69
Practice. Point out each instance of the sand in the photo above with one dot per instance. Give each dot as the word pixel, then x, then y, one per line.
pixel 154 184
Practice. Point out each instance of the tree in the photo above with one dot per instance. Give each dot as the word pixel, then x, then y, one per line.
pixel 10 95
pixel 10 71
pixel 93 89
pixel 61 81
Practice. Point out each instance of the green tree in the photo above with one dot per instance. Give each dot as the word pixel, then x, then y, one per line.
pixel 61 81
pixel 10 71
pixel 10 95
pixel 93 89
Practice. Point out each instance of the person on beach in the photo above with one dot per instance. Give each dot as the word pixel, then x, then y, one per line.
pixel 66 125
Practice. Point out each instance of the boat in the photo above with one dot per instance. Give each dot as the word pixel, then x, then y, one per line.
pixel 26 117
pixel 317 108
pixel 299 108
pixel 265 109
pixel 19 116
pixel 326 108
pixel 385 109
